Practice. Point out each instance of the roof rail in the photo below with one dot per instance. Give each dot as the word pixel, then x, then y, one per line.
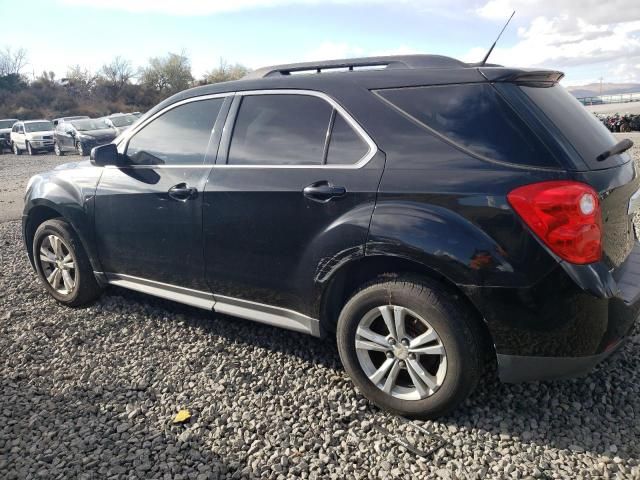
pixel 355 64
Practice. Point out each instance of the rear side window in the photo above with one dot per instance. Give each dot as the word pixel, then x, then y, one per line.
pixel 346 146
pixel 586 134
pixel 178 137
pixel 475 117
pixel 280 130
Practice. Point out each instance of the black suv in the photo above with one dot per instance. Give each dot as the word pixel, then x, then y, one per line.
pixel 427 212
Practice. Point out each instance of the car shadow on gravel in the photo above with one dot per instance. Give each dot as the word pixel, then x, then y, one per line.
pixel 89 432
pixel 595 414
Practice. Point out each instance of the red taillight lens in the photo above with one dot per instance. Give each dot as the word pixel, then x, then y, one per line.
pixel 565 215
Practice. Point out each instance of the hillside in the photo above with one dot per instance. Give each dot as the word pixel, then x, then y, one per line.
pixel 593 89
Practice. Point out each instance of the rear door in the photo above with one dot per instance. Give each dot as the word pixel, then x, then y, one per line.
pixel 291 195
pixel 148 215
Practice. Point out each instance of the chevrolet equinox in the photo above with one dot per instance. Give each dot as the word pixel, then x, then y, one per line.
pixel 435 216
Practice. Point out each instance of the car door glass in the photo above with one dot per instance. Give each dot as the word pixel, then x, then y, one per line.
pixel 177 137
pixel 280 130
pixel 346 146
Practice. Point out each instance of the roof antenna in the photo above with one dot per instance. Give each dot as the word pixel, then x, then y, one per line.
pixel 486 57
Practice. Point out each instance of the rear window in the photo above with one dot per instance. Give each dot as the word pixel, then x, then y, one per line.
pixel 586 134
pixel 475 117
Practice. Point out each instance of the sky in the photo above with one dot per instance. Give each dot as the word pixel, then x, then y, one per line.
pixel 586 39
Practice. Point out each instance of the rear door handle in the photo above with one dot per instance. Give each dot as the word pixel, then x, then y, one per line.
pixel 323 191
pixel 182 192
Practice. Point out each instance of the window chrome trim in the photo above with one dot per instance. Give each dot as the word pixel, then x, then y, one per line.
pixel 122 142
pixel 237 307
pixel 373 148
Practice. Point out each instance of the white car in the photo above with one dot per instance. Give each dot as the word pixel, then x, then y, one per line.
pixel 5 132
pixel 32 136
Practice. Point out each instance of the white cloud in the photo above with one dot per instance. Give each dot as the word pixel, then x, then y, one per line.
pixel 331 50
pixel 603 36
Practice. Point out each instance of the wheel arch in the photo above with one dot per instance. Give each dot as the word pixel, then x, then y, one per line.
pixel 36 216
pixel 345 281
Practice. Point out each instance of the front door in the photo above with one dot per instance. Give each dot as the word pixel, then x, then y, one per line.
pixel 148 216
pixel 292 192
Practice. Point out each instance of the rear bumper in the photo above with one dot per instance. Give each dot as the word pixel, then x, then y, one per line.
pixel 555 329
pixel 516 368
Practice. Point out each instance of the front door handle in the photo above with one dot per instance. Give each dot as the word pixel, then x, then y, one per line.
pixel 323 191
pixel 182 192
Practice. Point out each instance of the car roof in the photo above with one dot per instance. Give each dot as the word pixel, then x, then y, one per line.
pixel 34 121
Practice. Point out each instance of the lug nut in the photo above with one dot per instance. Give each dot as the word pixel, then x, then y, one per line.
pixel 389 355
pixel 412 356
pixel 402 363
pixel 405 342
pixel 392 341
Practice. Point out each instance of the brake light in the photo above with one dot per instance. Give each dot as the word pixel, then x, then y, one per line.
pixel 565 215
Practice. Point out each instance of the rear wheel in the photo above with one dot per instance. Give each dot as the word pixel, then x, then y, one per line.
pixel 63 265
pixel 409 347
pixel 57 150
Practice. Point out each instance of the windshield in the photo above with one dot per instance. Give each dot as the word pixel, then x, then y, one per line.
pixel 7 123
pixel 89 124
pixel 123 120
pixel 38 127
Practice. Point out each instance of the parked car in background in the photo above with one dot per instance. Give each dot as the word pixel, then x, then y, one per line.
pixel 121 121
pixel 32 136
pixel 63 119
pixel 428 214
pixel 5 133
pixel 82 135
pixel 137 114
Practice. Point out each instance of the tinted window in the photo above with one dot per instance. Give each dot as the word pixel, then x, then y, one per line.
pixel 280 130
pixel 179 137
pixel 580 127
pixel 477 118
pixel 346 145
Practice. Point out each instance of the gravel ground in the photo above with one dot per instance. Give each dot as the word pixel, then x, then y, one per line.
pixel 91 394
pixel 15 171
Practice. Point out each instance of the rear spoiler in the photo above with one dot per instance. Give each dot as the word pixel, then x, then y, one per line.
pixel 534 78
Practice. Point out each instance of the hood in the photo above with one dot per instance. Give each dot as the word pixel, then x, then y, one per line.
pixel 74 165
pixel 101 133
pixel 47 133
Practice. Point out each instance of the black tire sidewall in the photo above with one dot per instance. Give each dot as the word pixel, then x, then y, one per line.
pixel 461 348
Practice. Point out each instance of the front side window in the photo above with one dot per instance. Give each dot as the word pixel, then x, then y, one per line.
pixel 178 137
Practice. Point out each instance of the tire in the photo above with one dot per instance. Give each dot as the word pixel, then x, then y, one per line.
pixel 459 345
pixel 84 288
pixel 30 150
pixel 16 149
pixel 81 150
pixel 57 150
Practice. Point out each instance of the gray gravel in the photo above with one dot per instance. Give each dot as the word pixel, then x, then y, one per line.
pixel 91 394
pixel 15 171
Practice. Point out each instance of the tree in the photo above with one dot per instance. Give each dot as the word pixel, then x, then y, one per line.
pixel 167 75
pixel 12 62
pixel 117 73
pixel 225 72
pixel 81 80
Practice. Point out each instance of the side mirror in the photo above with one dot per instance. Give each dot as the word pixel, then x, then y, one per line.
pixel 105 155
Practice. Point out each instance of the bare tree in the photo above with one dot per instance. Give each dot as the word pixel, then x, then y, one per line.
pixel 225 72
pixel 12 62
pixel 81 80
pixel 168 74
pixel 118 73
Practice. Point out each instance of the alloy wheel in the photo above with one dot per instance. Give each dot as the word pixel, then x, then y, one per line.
pixel 56 148
pixel 400 352
pixel 58 265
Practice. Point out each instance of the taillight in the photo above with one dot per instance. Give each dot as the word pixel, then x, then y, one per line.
pixel 565 215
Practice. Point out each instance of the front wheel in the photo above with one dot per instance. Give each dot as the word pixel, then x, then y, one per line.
pixel 409 347
pixel 16 149
pixel 81 150
pixel 57 150
pixel 63 265
pixel 30 150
